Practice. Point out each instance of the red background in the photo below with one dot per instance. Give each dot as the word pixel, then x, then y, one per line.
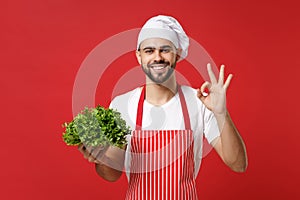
pixel 43 44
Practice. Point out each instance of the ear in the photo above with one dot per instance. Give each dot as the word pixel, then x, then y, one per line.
pixel 138 56
pixel 178 54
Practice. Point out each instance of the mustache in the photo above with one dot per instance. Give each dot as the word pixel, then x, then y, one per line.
pixel 159 63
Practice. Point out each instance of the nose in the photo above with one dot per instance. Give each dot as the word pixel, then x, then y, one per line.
pixel 157 56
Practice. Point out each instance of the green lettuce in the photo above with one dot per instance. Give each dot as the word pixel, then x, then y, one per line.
pixel 96 126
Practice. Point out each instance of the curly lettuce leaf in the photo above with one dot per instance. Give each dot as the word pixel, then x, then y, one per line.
pixel 97 126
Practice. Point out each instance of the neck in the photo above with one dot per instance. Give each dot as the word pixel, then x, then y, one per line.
pixel 159 94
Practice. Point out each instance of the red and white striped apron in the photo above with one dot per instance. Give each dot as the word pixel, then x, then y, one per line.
pixel 162 161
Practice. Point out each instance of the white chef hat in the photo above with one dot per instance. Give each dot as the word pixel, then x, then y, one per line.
pixel 165 27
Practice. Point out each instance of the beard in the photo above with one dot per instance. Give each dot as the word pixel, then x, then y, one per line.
pixel 159 76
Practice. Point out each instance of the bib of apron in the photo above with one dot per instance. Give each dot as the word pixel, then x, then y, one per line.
pixel 162 161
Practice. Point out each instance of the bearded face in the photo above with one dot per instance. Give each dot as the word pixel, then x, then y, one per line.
pixel 158 59
pixel 159 72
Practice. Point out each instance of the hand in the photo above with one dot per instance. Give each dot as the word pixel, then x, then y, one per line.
pixel 93 154
pixel 215 100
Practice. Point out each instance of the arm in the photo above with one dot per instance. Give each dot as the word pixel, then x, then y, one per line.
pixel 108 161
pixel 229 145
pixel 107 173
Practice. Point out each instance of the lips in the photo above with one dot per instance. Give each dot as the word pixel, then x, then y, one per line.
pixel 158 66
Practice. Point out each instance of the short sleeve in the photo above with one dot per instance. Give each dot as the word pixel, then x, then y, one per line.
pixel 211 130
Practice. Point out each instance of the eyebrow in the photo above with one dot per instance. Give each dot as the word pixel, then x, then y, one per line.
pixel 161 47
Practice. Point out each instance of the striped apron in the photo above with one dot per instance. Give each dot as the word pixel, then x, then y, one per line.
pixel 162 161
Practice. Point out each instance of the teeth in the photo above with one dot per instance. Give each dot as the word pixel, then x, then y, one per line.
pixel 158 67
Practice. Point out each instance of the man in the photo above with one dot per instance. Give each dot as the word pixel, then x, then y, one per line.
pixel 164 151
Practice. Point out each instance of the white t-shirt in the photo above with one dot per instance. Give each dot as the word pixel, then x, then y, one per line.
pixel 169 117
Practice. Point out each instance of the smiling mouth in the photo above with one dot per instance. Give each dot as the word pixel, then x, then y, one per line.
pixel 158 66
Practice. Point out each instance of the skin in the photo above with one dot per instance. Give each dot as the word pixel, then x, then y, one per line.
pixel 159 92
pixel 113 157
pixel 158 58
pixel 229 145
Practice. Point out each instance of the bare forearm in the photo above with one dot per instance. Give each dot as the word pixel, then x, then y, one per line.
pixel 111 164
pixel 233 150
pixel 107 172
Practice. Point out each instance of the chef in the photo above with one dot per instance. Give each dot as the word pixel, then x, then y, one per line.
pixel 169 121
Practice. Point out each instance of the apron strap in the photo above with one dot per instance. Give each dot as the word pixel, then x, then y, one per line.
pixel 139 115
pixel 185 111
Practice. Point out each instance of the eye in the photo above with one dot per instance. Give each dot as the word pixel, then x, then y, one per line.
pixel 165 50
pixel 148 51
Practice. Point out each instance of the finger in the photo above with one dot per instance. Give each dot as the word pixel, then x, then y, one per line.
pixel 200 95
pixel 86 151
pixel 86 155
pixel 97 162
pixel 227 82
pixel 81 148
pixel 221 75
pixel 90 149
pixel 98 152
pixel 203 86
pixel 211 74
pixel 91 159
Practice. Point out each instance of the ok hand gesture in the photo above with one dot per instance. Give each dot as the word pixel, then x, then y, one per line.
pixel 215 100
